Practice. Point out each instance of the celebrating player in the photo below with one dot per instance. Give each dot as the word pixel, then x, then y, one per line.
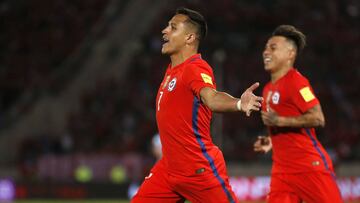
pixel 192 167
pixel 302 170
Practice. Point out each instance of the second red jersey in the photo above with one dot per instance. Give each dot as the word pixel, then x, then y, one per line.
pixel 294 149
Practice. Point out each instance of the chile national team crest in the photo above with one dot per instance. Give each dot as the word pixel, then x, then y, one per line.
pixel 275 98
pixel 172 85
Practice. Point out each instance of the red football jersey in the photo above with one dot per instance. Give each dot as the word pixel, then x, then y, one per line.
pixel 184 121
pixel 294 149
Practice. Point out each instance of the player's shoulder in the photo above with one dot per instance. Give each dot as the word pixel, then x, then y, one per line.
pixel 294 77
pixel 295 74
pixel 199 64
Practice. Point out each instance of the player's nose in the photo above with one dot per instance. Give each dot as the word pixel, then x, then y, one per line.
pixel 265 53
pixel 165 30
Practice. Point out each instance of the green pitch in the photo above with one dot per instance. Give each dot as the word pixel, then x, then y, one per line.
pixel 107 201
pixel 80 201
pixel 71 201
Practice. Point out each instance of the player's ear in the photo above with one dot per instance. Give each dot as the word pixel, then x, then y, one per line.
pixel 190 38
pixel 292 53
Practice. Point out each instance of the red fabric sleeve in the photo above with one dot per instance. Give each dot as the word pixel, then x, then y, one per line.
pixel 303 94
pixel 196 77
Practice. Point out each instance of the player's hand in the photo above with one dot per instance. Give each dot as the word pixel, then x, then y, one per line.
pixel 270 118
pixel 249 101
pixel 263 144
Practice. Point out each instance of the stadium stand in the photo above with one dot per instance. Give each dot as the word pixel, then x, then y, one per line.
pixel 116 114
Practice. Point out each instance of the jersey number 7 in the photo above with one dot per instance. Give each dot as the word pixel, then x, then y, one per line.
pixel 161 94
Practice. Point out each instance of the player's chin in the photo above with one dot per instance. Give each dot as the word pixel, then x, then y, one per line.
pixel 164 51
pixel 267 68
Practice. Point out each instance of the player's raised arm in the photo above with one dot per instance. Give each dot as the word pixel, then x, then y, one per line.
pixel 223 102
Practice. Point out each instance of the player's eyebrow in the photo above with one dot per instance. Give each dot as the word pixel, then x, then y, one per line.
pixel 172 23
pixel 270 45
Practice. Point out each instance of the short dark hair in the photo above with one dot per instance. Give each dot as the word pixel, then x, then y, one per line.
pixel 196 19
pixel 292 34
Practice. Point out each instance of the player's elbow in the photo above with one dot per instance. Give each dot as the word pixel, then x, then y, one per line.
pixel 211 105
pixel 320 117
pixel 207 96
pixel 214 106
pixel 320 121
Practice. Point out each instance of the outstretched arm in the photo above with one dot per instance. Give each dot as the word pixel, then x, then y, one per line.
pixel 314 117
pixel 223 102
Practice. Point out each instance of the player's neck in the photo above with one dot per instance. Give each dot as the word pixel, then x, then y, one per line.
pixel 180 57
pixel 276 75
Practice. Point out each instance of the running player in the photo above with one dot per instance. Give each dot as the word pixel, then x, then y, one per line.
pixel 192 167
pixel 302 170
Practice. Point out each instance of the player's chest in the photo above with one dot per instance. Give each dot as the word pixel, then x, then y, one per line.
pixel 172 92
pixel 276 96
pixel 172 83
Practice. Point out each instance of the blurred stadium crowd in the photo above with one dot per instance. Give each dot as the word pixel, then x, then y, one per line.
pixel 118 117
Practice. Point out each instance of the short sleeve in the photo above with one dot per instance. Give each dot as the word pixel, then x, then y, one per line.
pixel 303 94
pixel 197 77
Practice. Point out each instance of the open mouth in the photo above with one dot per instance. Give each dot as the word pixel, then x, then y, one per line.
pixel 267 60
pixel 165 40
